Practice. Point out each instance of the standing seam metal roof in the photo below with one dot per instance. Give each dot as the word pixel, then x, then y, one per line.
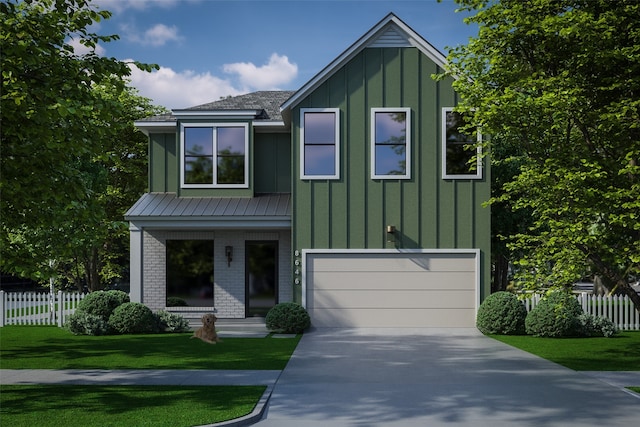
pixel 169 205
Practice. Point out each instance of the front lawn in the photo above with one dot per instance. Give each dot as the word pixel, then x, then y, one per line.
pixel 49 347
pixel 100 406
pixel 621 353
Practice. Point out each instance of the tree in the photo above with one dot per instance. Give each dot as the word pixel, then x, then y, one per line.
pixel 505 219
pixel 101 249
pixel 560 80
pixel 53 118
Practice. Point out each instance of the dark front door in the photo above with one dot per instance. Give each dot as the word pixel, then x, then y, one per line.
pixel 261 277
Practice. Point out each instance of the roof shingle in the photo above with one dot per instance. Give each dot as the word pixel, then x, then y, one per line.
pixel 268 101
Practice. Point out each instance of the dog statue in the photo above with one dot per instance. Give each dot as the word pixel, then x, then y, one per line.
pixel 207 332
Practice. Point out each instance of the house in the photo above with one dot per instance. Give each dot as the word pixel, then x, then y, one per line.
pixel 356 196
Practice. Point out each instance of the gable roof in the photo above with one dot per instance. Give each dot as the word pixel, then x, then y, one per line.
pixel 391 31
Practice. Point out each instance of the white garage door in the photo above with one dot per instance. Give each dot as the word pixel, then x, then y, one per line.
pixel 391 289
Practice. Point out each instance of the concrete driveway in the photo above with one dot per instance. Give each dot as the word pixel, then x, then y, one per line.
pixel 443 377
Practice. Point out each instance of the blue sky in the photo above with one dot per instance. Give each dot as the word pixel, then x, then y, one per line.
pixel 212 48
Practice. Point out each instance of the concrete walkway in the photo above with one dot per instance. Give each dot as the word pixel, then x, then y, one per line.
pixel 137 377
pixel 433 378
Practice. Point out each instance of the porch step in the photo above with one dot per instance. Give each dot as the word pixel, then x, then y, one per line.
pixel 250 324
pixel 230 327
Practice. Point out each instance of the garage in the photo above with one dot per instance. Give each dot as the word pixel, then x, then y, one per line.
pixel 390 288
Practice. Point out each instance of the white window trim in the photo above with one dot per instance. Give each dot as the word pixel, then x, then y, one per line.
pixel 336 111
pixel 407 111
pixel 478 174
pixel 215 162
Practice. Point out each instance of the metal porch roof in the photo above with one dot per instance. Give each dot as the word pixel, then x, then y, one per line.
pixel 167 206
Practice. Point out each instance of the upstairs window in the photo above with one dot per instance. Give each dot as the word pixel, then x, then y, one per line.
pixel 215 156
pixel 459 148
pixel 319 143
pixel 390 143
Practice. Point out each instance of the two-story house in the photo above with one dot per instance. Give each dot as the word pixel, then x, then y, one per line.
pixel 356 195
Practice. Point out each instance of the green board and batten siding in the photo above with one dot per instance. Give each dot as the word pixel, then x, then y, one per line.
pixel 272 163
pixel 353 211
pixel 163 163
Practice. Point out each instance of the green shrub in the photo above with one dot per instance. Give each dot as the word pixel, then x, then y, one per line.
pixel 176 302
pixel 102 303
pixel 594 326
pixel 556 315
pixel 171 322
pixel 133 318
pixel 501 313
pixel 83 323
pixel 288 318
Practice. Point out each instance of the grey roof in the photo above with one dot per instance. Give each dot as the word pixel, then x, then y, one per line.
pixel 166 206
pixel 168 117
pixel 267 101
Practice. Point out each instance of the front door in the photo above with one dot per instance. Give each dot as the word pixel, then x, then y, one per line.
pixel 261 277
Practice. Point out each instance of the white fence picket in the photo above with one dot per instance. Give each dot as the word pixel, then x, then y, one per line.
pixel 617 308
pixel 37 308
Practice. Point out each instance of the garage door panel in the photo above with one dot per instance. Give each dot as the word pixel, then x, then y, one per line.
pixel 400 262
pixel 392 318
pixel 382 300
pixel 394 280
pixel 417 289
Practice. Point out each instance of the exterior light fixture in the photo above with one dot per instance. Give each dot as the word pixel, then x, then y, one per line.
pixel 391 230
pixel 228 251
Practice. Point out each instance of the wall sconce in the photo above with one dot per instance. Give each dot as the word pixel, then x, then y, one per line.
pixel 391 230
pixel 228 251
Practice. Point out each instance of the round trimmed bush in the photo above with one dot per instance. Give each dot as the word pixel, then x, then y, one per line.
pixel 171 322
pixel 595 326
pixel 501 313
pixel 83 323
pixel 133 318
pixel 103 303
pixel 288 318
pixel 556 315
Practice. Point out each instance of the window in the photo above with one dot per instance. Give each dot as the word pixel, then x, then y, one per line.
pixel 215 155
pixel 190 272
pixel 320 143
pixel 458 148
pixel 390 143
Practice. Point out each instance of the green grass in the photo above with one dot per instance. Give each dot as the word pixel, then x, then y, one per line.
pixel 49 347
pixel 621 353
pixel 636 389
pixel 103 406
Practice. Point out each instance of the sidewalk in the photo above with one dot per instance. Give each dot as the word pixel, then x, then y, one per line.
pixel 137 377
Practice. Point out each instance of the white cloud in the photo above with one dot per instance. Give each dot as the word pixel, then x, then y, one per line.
pixel 187 88
pixel 276 72
pixel 180 89
pixel 158 35
pixel 80 49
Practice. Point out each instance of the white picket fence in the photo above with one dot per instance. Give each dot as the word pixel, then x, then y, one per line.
pixel 37 308
pixel 617 308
